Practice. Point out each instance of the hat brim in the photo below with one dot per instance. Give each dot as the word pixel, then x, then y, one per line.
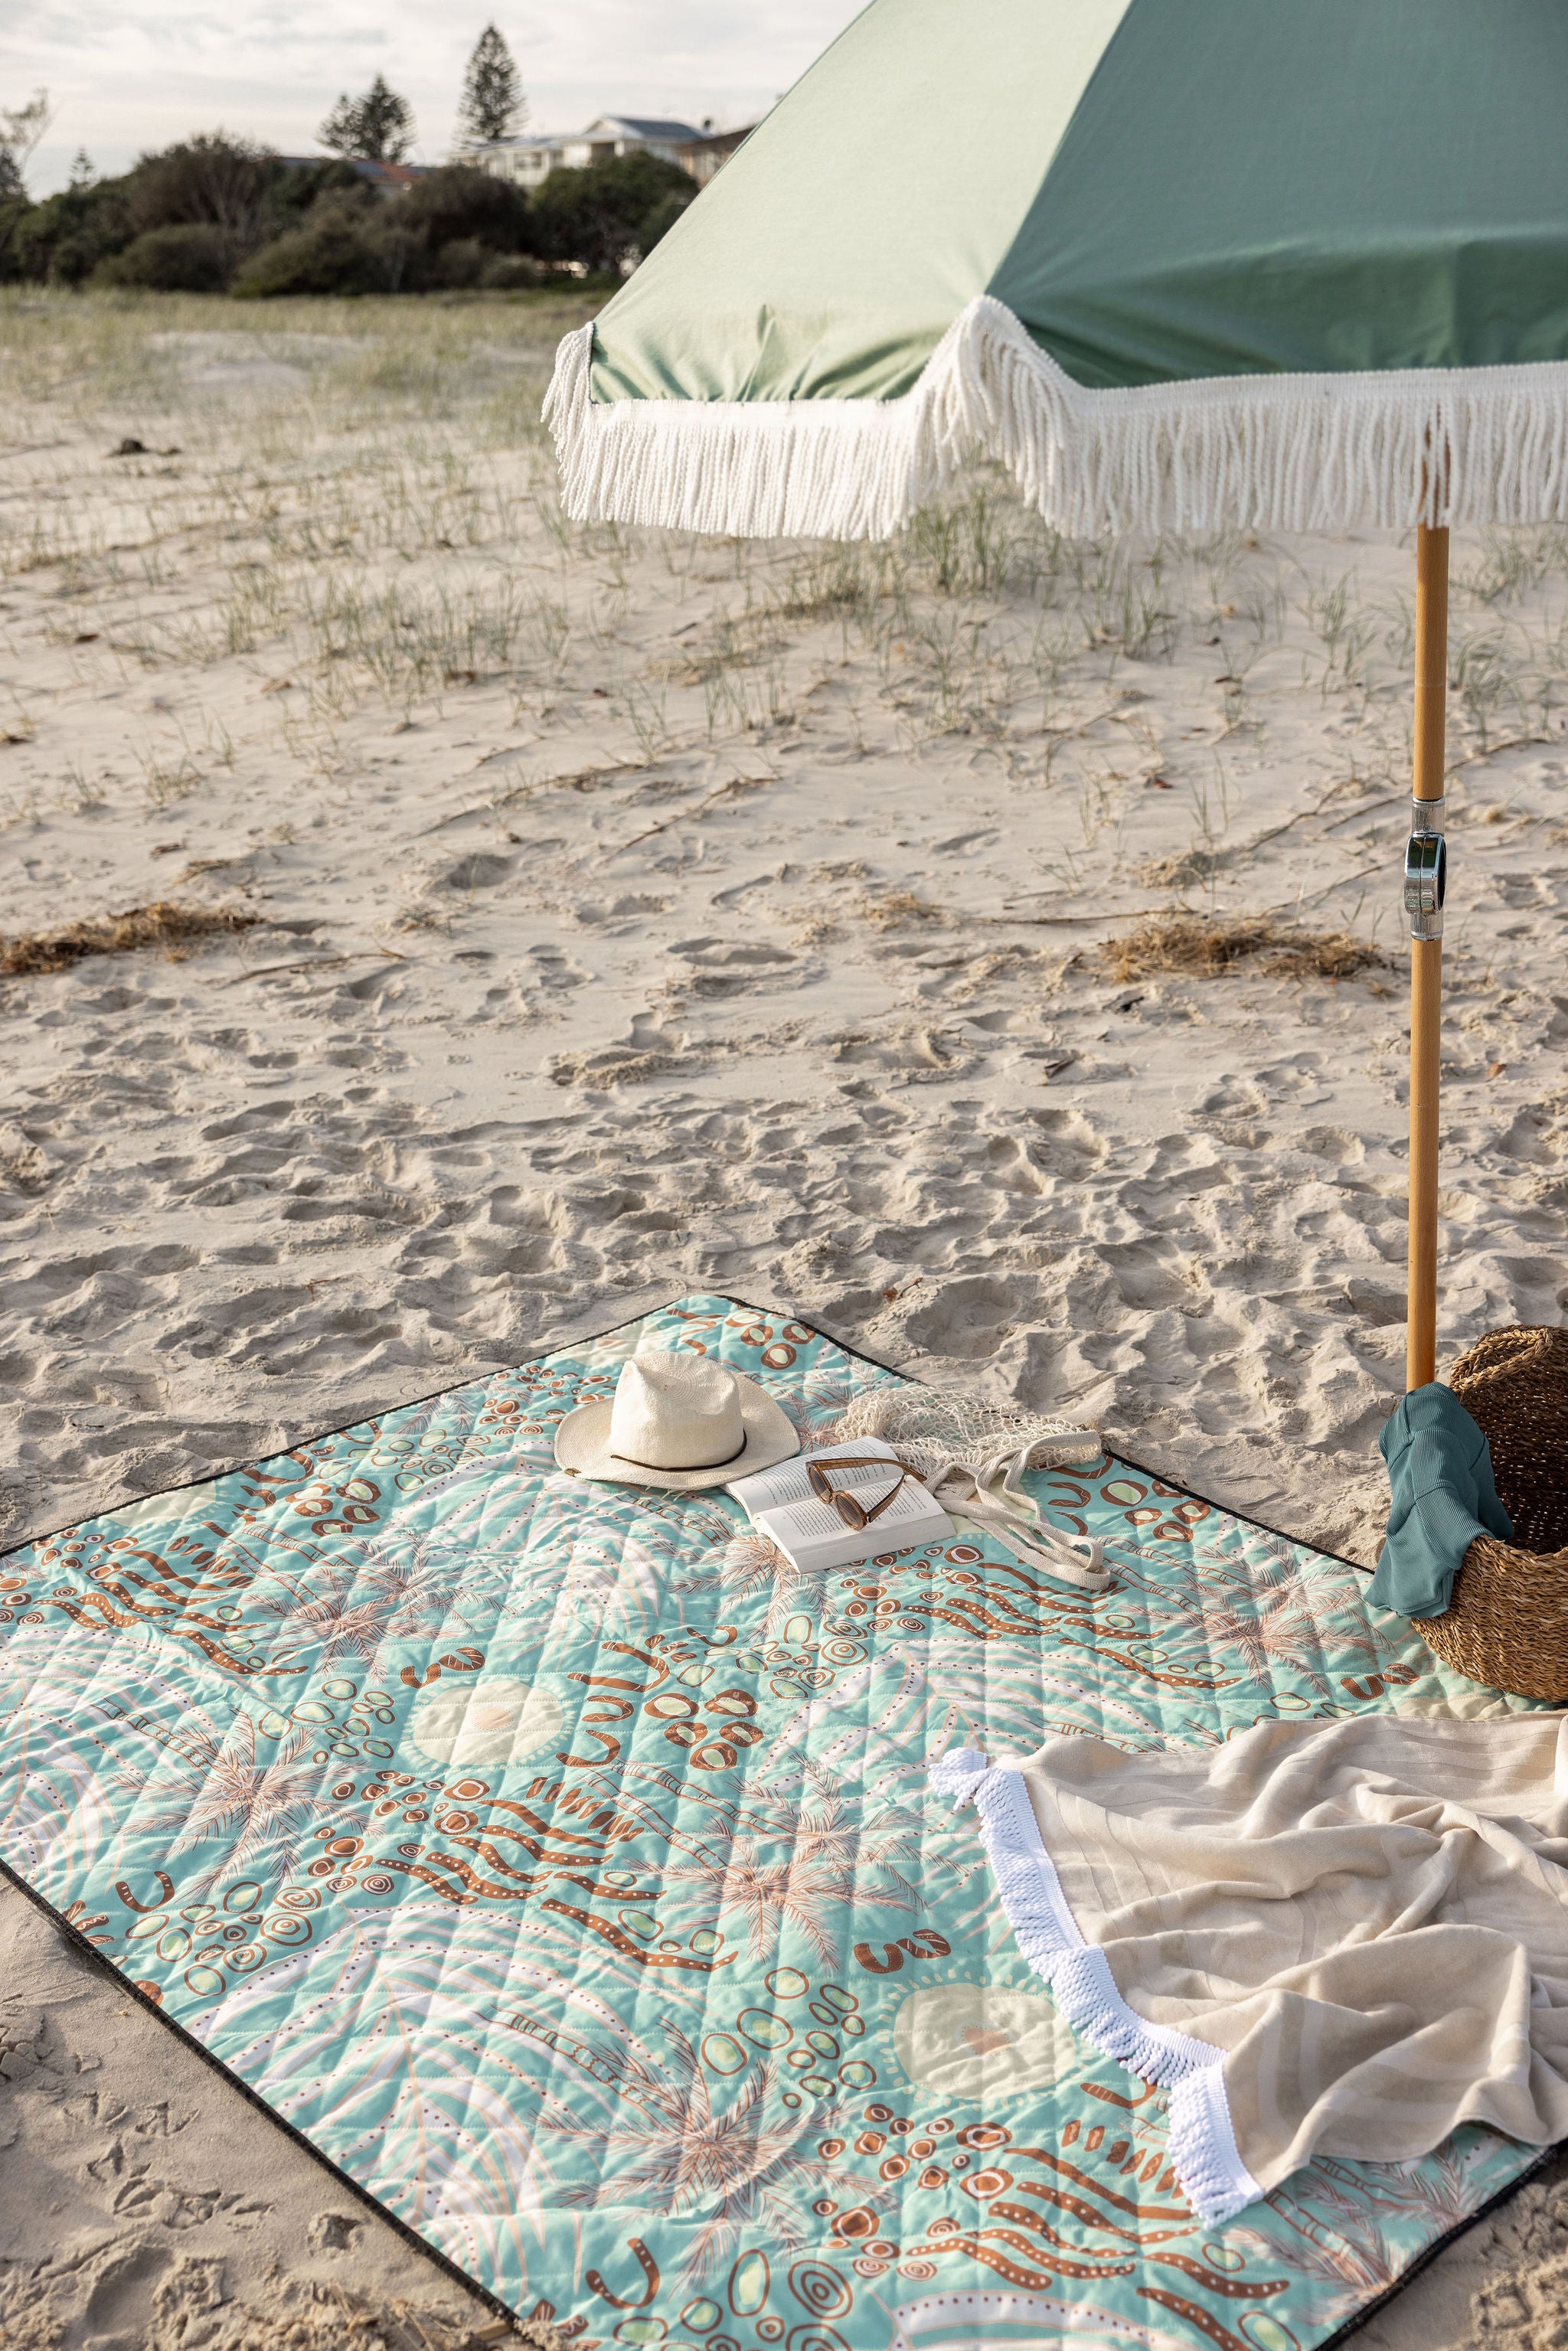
pixel 583 1445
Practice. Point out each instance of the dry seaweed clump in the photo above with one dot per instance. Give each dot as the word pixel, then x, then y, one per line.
pixel 1192 942
pixel 165 924
pixel 900 907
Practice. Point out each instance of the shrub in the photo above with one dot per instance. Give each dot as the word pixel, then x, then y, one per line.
pixel 511 273
pixel 64 238
pixel 212 182
pixel 445 231
pixel 460 201
pixel 209 180
pixel 296 188
pixel 662 219
pixel 336 253
pixel 195 258
pixel 607 216
pixel 459 264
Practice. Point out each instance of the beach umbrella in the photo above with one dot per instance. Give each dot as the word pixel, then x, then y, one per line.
pixel 1176 264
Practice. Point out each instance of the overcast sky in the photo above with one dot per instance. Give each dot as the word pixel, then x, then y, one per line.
pixel 133 74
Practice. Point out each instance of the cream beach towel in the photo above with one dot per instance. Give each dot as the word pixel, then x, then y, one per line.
pixel 1340 1939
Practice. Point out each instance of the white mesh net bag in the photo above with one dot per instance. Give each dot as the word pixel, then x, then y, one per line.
pixel 972 1453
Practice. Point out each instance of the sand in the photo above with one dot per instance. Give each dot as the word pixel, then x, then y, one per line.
pixel 636 914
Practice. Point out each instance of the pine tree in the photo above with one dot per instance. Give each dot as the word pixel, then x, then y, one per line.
pixel 377 128
pixel 491 106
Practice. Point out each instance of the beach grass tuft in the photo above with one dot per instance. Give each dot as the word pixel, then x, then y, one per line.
pixel 1205 948
pixel 165 924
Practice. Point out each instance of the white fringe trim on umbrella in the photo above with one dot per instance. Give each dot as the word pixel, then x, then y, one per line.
pixel 1281 452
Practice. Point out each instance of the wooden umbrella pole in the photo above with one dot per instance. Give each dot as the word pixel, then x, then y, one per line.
pixel 1427 955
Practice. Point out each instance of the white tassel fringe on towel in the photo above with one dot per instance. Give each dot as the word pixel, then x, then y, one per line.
pixel 1202 2152
pixel 1282 453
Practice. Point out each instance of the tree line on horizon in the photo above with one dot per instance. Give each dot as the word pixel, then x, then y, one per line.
pixel 379 127
pixel 214 214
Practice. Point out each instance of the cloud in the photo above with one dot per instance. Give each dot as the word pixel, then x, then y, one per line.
pixel 149 71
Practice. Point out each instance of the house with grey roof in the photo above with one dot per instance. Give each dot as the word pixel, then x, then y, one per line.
pixel 528 161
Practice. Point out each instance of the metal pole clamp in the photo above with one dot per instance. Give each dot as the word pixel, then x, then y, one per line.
pixel 1425 869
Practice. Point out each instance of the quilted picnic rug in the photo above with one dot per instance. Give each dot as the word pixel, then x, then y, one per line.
pixel 564 1870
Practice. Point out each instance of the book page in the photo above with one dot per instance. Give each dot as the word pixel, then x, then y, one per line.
pixel 812 1521
pixel 772 1490
pixel 813 1535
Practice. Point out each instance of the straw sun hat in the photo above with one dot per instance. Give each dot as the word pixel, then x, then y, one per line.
pixel 679 1421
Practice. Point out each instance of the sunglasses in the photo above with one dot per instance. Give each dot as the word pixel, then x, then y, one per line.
pixel 853 1511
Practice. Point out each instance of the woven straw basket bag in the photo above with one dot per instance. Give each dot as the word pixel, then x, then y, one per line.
pixel 1507 1619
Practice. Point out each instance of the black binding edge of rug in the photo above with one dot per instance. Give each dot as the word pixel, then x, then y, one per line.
pixel 1162 1476
pixel 365 2195
pixel 591 1338
pixel 103 1964
pixel 1342 2333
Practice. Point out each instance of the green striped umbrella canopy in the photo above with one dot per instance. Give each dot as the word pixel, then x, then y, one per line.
pixel 1176 264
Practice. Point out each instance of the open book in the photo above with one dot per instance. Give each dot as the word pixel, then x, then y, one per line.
pixel 809 1532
